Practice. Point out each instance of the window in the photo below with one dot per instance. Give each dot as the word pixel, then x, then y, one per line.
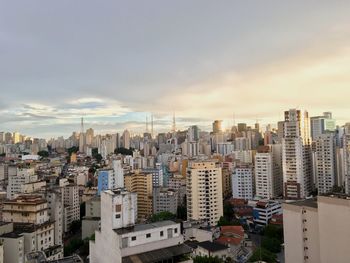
pixel 148 235
pixel 175 230
pixel 161 233
pixel 133 238
pixel 117 216
pixel 118 208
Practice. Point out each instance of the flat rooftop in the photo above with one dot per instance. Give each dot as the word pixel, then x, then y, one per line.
pixel 308 203
pixel 143 227
pixel 159 255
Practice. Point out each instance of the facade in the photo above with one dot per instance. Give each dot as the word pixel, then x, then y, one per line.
pixel 325 163
pixel 297 166
pixel 142 184
pixel 16 181
pixel 243 182
pixel 120 240
pixel 26 209
pixel 204 191
pixel 268 172
pixel 165 199
pixel 322 124
pixel 32 222
pixel 92 219
pixel 226 179
pixel 157 175
pixel 317 231
pixel 264 210
pixel 71 205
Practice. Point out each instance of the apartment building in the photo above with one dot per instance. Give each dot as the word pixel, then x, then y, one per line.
pixel 142 184
pixel 317 231
pixel 204 191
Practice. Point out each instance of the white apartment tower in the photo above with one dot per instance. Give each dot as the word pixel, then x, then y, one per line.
pixel 118 174
pixel 268 172
pixel 242 182
pixel 325 163
pixel 204 191
pixel 297 168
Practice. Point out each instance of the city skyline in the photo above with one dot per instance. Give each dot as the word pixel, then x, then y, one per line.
pixel 115 62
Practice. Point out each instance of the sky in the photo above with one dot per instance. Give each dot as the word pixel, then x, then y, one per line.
pixel 116 62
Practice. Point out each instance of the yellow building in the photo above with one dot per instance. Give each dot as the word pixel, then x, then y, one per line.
pixel 141 184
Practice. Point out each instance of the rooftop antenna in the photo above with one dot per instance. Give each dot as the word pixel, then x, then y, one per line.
pixel 82 125
pixel 147 124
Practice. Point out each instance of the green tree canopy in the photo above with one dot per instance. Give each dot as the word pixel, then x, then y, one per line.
pixel 165 215
pixel 43 154
pixel 264 255
pixel 123 151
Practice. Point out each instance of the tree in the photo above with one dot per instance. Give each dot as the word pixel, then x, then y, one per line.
pixel 181 212
pixel 273 231
pixel 82 210
pixel 43 154
pixel 271 244
pixel 165 215
pixel 228 211
pixel 73 149
pixel 75 226
pixel 264 255
pixel 123 151
pixel 96 155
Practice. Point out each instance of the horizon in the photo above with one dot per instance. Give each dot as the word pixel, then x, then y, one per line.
pixel 116 62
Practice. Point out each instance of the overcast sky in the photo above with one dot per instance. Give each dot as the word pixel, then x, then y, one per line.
pixel 117 61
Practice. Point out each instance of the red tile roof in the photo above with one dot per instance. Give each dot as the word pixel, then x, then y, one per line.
pixel 233 235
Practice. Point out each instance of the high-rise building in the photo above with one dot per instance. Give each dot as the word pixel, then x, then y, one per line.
pixel 325 162
pixel 317 231
pixel 89 136
pixel 321 124
pixel 243 182
pixel 204 191
pixel 268 171
pixel 297 167
pixel 142 184
pixel 217 126
pixel 16 137
pixel 126 139
pixel 242 127
pixel 165 199
pixel 193 133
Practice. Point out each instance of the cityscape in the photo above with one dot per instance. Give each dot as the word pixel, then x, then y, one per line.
pixel 174 132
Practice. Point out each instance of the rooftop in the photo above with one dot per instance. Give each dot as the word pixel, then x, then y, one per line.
pixel 211 246
pixel 26 200
pixel 143 227
pixel 158 255
pixel 307 202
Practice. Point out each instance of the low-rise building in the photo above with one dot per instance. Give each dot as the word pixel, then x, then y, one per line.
pixel 211 249
pixel 264 210
pixel 120 240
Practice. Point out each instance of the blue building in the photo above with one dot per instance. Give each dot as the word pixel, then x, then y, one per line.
pixel 104 180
